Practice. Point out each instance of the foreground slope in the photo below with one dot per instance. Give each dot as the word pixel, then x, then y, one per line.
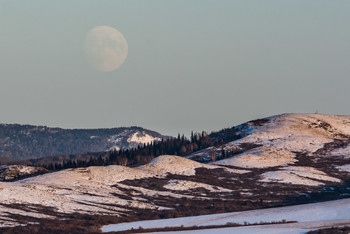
pixel 308 217
pixel 100 190
pixel 170 186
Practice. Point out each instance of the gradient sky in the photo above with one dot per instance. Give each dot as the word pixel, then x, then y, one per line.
pixel 192 65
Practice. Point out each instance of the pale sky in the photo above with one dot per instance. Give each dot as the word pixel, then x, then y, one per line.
pixel 192 65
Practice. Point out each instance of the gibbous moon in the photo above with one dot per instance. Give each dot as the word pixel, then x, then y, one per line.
pixel 106 48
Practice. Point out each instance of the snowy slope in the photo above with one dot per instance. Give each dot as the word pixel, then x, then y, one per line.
pixel 321 143
pixel 310 216
pixel 261 157
pixel 298 132
pixel 80 190
pixel 293 133
pixel 298 175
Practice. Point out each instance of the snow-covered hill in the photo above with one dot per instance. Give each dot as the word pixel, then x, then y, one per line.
pixel 282 160
pixel 92 190
pixel 298 132
pixel 292 148
pixel 294 132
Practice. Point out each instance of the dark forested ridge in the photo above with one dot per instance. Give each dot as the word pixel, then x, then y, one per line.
pixel 22 142
pixel 66 142
pixel 143 154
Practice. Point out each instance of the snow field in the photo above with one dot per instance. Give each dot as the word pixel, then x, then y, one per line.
pixel 308 216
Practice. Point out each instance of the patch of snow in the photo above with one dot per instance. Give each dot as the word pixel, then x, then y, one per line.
pixel 183 166
pixel 344 168
pixel 343 152
pixel 246 193
pixel 298 175
pixel 153 193
pixel 117 138
pixel 340 123
pixel 186 185
pixel 116 148
pixel 288 178
pixel 142 138
pixel 260 157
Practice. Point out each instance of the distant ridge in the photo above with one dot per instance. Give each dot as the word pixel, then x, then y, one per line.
pixel 21 142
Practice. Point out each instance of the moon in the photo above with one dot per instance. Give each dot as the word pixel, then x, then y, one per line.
pixel 106 48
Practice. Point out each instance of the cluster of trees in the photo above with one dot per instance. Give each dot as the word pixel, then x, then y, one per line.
pixel 142 154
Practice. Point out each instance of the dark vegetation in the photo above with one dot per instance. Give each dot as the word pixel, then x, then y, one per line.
pixel 333 230
pixel 31 143
pixel 66 146
pixel 61 159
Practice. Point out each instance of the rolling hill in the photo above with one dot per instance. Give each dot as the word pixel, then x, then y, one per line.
pixel 282 160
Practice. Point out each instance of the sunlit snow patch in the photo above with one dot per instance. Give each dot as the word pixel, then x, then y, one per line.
pixel 260 157
pixel 298 175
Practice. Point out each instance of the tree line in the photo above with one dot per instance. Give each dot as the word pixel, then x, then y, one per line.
pixel 143 154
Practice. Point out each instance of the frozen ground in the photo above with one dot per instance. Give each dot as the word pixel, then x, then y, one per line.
pixel 310 216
